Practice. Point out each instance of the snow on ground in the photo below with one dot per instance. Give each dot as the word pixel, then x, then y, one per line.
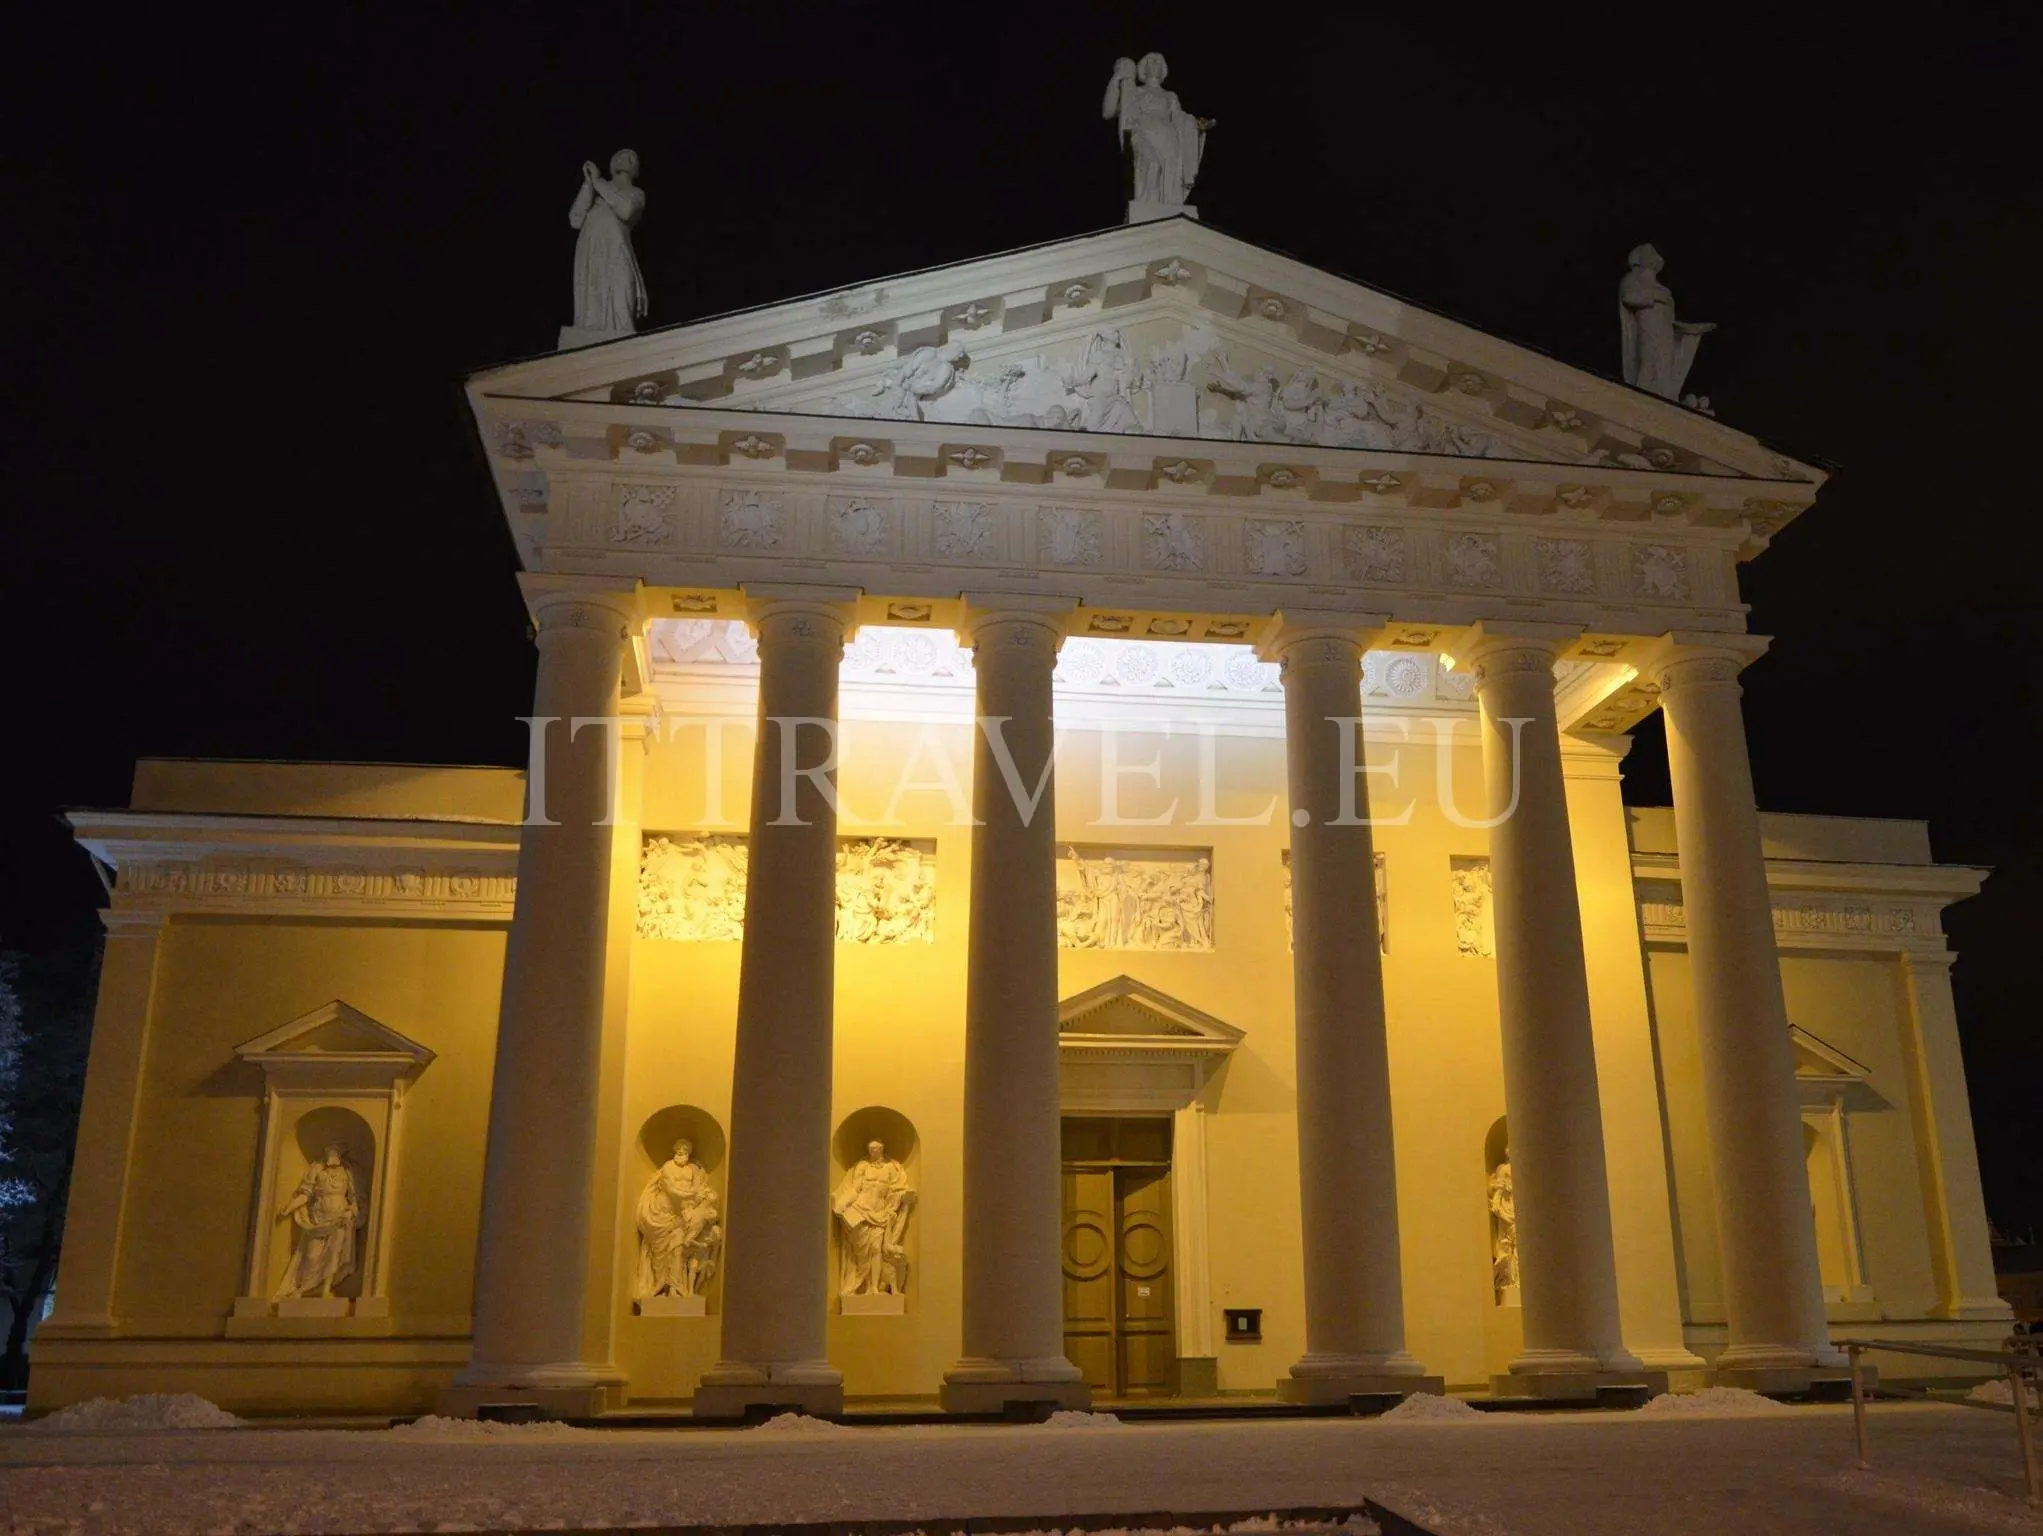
pixel 1071 1418
pixel 797 1424
pixel 1937 1470
pixel 136 1415
pixel 1711 1402
pixel 1433 1405
pixel 1999 1391
pixel 433 1427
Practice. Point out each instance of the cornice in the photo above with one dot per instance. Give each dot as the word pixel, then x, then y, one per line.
pixel 1823 906
pixel 190 863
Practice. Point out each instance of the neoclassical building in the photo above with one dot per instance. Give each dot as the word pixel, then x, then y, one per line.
pixel 1073 850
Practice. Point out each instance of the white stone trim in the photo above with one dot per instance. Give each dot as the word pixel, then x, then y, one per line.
pixel 1822 907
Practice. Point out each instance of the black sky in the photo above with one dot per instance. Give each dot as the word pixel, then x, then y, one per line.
pixel 251 257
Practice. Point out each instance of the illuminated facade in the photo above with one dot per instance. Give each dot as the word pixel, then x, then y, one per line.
pixel 1188 1081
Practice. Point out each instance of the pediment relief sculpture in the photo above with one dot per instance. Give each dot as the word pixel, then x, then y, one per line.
pixel 1151 376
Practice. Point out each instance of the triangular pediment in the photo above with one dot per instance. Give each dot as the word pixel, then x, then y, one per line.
pixel 335 1030
pixel 1817 1060
pixel 1167 329
pixel 1125 1008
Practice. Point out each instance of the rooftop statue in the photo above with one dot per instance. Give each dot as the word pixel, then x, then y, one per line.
pixel 1166 140
pixel 610 294
pixel 1658 349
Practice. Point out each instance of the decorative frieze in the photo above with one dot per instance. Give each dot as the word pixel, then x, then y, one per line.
pixel 199 883
pixel 692 889
pixel 1836 919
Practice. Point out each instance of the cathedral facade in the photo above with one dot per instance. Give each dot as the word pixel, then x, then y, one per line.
pixel 1073 851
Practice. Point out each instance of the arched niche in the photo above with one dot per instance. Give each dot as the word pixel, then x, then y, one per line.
pixel 1503 1217
pixel 655 1143
pixel 860 1290
pixel 333 1075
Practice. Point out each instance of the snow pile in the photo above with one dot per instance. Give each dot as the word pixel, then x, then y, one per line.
pixel 433 1426
pixel 1710 1402
pixel 1433 1405
pixel 138 1415
pixel 1072 1418
pixel 1998 1391
pixel 796 1424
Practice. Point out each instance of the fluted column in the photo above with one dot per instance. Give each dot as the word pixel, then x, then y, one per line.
pixel 776 1226
pixel 1567 1261
pixel 532 1250
pixel 1013 1281
pixel 1347 1168
pixel 1773 1288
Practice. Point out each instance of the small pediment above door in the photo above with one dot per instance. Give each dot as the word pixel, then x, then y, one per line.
pixel 1818 1060
pixel 1124 1048
pixel 1125 1008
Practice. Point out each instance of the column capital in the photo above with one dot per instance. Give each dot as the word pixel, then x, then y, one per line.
pixel 1688 658
pixel 582 602
pixel 1293 626
pixel 766 601
pixel 1492 647
pixel 1042 613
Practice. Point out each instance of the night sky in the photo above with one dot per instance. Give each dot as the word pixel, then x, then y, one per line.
pixel 251 260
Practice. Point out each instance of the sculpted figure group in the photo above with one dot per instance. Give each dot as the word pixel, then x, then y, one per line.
pixel 1120 903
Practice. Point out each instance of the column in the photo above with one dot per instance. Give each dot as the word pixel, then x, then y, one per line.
pixel 532 1251
pixel 1347 1168
pixel 1191 1256
pixel 776 1226
pixel 1013 1278
pixel 1773 1289
pixel 108 1119
pixel 1567 1262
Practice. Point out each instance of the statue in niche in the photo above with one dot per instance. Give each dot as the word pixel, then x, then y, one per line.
pixel 1503 1235
pixel 326 1210
pixel 1167 141
pixel 679 1234
pixel 610 293
pixel 873 1201
pixel 1658 349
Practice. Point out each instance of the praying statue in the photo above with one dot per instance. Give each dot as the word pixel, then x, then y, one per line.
pixel 610 295
pixel 325 1211
pixel 1166 140
pixel 873 1201
pixel 1503 1234
pixel 1658 349
pixel 679 1234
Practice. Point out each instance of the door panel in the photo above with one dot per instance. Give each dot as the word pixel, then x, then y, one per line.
pixel 1148 1335
pixel 1089 1228
pixel 1120 1319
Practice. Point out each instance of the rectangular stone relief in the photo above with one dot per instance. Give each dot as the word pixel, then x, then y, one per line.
pixel 1475 930
pixel 1134 898
pixel 691 887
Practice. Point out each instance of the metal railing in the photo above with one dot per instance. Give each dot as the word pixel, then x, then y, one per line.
pixel 2019 1368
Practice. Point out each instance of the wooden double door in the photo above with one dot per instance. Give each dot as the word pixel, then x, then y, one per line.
pixel 1120 1318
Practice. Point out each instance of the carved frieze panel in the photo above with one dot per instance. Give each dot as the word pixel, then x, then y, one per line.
pixel 1566 566
pixel 1274 548
pixel 692 888
pixel 861 525
pixel 1375 556
pixel 644 514
pixel 752 520
pixel 1134 898
pixel 1173 541
pixel 1382 901
pixel 196 882
pixel 1473 561
pixel 1824 918
pixel 963 530
pixel 1475 928
pixel 1660 572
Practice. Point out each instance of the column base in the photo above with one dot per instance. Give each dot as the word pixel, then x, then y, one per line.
pixel 1018 1388
pixel 462 1402
pixel 1824 1381
pixel 1378 1389
pixel 763 1399
pixel 1578 1386
pixel 1015 1399
pixel 734 1390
